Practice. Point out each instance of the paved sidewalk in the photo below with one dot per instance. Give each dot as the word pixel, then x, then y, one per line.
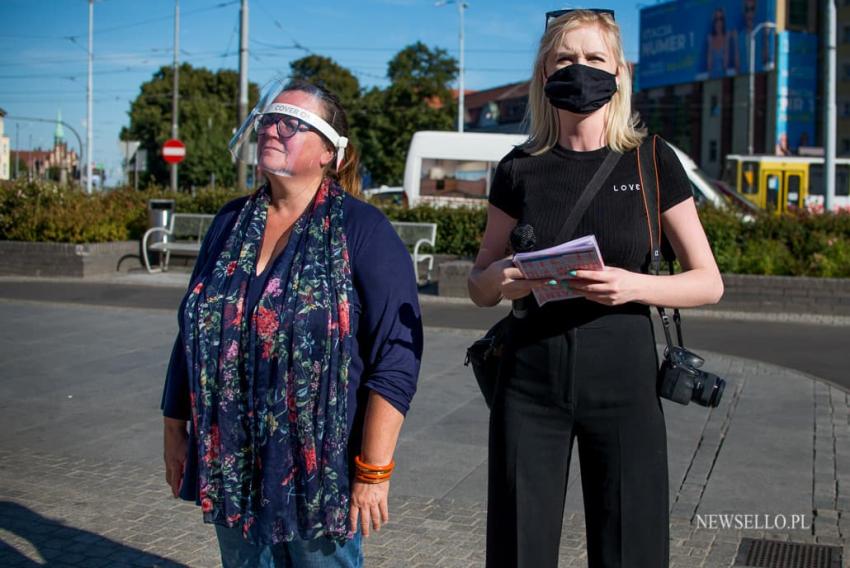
pixel 81 479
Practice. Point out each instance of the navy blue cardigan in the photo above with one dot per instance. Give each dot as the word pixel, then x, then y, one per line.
pixel 385 318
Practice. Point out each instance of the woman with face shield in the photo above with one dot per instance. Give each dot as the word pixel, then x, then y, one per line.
pixel 297 355
pixel 584 368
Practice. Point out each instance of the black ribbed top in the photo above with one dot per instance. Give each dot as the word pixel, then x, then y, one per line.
pixel 540 190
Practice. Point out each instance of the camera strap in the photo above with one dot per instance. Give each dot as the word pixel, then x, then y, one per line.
pixel 659 247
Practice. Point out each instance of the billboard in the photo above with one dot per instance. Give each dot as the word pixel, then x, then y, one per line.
pixel 796 90
pixel 695 40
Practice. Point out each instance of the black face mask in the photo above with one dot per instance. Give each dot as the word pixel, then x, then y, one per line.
pixel 579 88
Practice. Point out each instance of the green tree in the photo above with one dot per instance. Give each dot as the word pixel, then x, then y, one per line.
pixel 207 117
pixel 418 98
pixel 328 74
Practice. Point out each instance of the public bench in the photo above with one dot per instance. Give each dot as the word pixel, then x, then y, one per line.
pixel 183 236
pixel 185 232
pixel 415 236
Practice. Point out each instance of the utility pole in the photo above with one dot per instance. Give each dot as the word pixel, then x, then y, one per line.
pixel 175 96
pixel 461 6
pixel 90 107
pixel 752 87
pixel 829 111
pixel 241 165
pixel 17 149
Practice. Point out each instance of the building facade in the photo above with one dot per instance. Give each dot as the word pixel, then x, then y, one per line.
pixel 694 76
pixel 58 163
pixel 842 96
pixel 4 148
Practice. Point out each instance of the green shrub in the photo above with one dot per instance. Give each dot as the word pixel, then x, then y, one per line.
pixel 803 244
pixel 459 230
pixel 45 211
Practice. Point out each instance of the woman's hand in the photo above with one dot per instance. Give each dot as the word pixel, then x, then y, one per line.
pixel 175 442
pixel 369 503
pixel 512 284
pixel 610 286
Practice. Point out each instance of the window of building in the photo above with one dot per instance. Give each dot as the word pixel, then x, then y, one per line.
pixel 845 146
pixel 455 178
pixel 712 151
pixel 845 34
pixel 715 108
pixel 846 75
pixel 845 109
pixel 798 14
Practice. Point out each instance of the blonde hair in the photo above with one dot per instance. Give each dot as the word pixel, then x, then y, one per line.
pixel 622 127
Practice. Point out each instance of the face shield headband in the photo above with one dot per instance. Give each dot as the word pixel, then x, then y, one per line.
pixel 311 119
pixel 242 139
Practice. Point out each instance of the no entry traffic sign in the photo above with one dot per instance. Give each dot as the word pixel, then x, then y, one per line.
pixel 173 151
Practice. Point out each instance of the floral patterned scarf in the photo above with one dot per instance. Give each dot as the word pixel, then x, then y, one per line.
pixel 269 389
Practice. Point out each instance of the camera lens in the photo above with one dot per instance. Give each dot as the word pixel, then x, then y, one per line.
pixel 708 388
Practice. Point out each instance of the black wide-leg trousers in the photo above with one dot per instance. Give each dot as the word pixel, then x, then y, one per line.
pixel 594 383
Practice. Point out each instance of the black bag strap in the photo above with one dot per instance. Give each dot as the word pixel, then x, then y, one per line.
pixel 648 173
pixel 593 187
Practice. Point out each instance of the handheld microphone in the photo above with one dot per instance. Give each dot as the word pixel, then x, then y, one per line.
pixel 522 240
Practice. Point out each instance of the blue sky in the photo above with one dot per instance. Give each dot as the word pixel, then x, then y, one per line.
pixel 43 42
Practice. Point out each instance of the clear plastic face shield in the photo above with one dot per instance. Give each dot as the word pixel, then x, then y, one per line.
pixel 275 125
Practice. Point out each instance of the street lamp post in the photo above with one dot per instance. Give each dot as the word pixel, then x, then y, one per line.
pixel 829 110
pixel 89 106
pixel 175 92
pixel 752 88
pixel 461 6
pixel 17 149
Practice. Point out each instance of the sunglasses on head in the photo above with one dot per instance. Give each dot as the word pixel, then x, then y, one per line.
pixel 558 13
pixel 287 126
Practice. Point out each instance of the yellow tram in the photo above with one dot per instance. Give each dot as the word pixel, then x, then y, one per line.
pixel 780 184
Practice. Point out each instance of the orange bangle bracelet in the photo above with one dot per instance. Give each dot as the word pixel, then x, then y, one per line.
pixel 375 471
pixel 374 475
pixel 373 468
pixel 371 481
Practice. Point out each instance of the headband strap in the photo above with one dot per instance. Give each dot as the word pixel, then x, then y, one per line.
pixel 314 120
pixel 310 118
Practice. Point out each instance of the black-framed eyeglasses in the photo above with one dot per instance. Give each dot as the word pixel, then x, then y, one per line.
pixel 558 13
pixel 287 126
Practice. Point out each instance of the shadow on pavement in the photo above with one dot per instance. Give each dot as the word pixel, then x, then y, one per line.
pixel 60 545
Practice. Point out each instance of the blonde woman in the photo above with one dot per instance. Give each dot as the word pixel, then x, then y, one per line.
pixel 584 369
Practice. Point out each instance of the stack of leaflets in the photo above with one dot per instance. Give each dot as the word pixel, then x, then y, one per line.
pixel 556 262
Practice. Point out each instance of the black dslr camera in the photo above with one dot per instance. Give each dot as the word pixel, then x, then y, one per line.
pixel 680 379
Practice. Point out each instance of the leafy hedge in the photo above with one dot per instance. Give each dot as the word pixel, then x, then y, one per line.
pixel 800 245
pixel 459 230
pixel 46 211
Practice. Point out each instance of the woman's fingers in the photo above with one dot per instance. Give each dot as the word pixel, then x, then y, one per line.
pixel 385 511
pixel 353 515
pixel 174 476
pixel 377 520
pixel 516 289
pixel 365 520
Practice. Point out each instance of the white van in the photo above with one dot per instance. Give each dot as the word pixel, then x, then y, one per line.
pixel 456 168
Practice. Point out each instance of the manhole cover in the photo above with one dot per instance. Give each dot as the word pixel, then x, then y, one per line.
pixel 778 554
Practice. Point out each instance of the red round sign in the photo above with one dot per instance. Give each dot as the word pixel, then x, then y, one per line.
pixel 173 151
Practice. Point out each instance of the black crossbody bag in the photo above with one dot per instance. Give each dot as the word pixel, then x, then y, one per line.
pixel 485 355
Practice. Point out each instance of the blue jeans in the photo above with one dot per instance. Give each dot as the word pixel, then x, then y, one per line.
pixel 236 552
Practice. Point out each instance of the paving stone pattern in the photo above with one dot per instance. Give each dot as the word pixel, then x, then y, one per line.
pixel 86 513
pixel 81 477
